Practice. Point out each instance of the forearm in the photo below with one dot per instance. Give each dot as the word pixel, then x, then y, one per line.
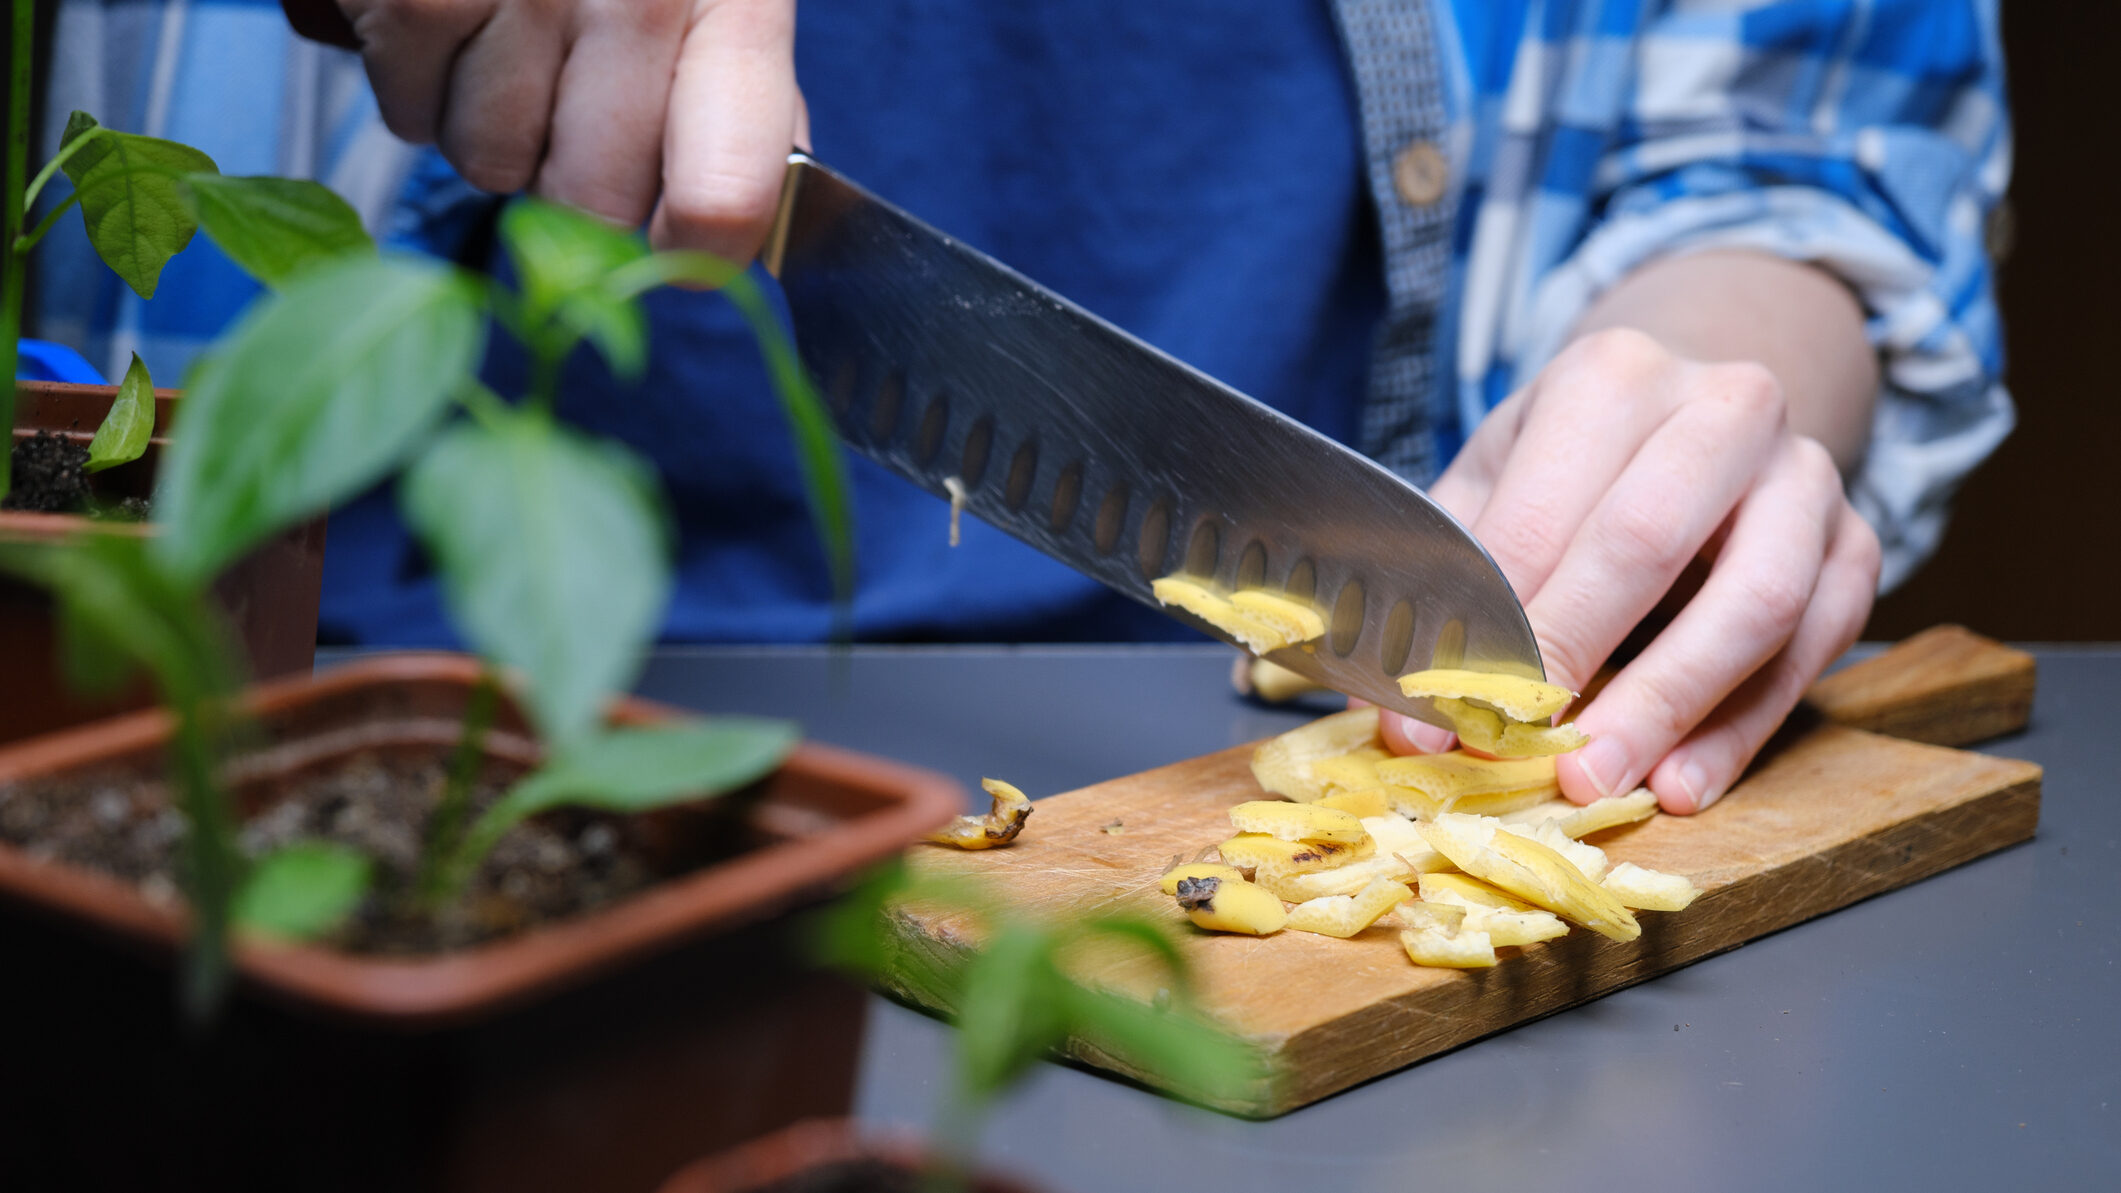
pixel 1799 321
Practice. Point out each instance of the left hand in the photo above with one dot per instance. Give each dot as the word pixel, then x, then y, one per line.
pixel 1595 487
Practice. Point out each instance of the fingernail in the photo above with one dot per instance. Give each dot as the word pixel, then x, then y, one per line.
pixel 1694 780
pixel 1428 738
pixel 1605 763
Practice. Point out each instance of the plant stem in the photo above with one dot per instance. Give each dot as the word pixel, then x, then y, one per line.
pixel 29 240
pixel 24 45
pixel 445 829
pixel 214 862
pixel 36 185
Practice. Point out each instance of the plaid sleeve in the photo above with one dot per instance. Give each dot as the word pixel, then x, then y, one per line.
pixel 1869 138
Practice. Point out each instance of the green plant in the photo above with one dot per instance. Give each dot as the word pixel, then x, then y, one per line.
pixel 141 201
pixel 1016 998
pixel 552 547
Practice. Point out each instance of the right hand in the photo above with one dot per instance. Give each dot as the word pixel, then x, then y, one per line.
pixel 678 112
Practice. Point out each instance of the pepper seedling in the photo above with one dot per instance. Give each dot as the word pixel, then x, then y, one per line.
pixel 552 548
pixel 141 200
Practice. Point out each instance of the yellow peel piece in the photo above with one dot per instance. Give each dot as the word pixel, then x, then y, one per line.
pixel 1259 852
pixel 1296 822
pixel 1519 699
pixel 1417 915
pixel 1258 635
pixel 1485 730
pixel 1651 890
pixel 1227 905
pixel 1464 890
pixel 1345 915
pixel 1355 770
pixel 1283 764
pixel 1531 871
pixel 1458 950
pixel 1271 682
pixel 1588 859
pixel 1457 774
pixel 1340 880
pixel 1599 815
pixel 1295 620
pixel 1516 927
pixel 1169 883
pixel 998 827
pixel 1359 803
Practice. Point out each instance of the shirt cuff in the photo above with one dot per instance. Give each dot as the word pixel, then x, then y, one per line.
pixel 1940 410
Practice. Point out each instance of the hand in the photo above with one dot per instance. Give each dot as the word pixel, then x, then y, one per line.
pixel 684 109
pixel 1596 487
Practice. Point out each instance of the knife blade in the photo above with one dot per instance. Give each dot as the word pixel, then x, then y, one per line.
pixel 939 362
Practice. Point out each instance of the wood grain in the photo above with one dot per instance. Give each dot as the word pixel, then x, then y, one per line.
pixel 1946 685
pixel 1830 815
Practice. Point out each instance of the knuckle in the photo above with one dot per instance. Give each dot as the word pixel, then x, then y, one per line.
pixel 1865 551
pixel 1658 703
pixel 1530 541
pixel 1750 389
pixel 1643 536
pixel 1815 464
pixel 720 200
pixel 1621 353
pixel 1774 602
pixel 490 169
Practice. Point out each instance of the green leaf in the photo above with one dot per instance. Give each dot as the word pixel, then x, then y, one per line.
pixel 303 890
pixel 315 395
pixel 1011 1013
pixel 276 227
pixel 632 769
pixel 564 263
pixel 635 769
pixel 130 424
pixel 132 200
pixel 553 554
pixel 1186 1055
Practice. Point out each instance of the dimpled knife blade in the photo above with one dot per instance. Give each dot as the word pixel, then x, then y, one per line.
pixel 939 362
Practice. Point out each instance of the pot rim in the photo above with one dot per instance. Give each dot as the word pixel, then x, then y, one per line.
pixel 813 1143
pixel 450 988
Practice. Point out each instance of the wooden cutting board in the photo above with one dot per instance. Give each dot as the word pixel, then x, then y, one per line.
pixel 1828 816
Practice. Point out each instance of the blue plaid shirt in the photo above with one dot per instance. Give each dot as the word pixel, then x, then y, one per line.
pixel 1523 156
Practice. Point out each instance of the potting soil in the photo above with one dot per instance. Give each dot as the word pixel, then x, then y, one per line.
pixel 50 476
pixel 559 865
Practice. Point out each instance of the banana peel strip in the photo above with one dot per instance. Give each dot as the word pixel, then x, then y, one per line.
pixel 1519 699
pixel 997 828
pixel 1531 871
pixel 1485 730
pixel 1283 764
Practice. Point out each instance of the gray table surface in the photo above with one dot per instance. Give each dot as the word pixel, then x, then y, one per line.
pixel 1960 1033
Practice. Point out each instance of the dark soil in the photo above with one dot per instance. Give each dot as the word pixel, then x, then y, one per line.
pixel 848 1176
pixel 555 866
pixel 50 476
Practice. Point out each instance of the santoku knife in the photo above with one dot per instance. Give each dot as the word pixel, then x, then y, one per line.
pixel 939 362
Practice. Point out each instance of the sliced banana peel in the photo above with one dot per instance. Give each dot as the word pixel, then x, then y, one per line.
pixel 1283 764
pixel 1461 949
pixel 1359 803
pixel 1345 915
pixel 1262 621
pixel 1297 822
pixel 1518 699
pixel 1340 880
pixel 1177 874
pixel 1531 871
pixel 1231 905
pixel 1270 681
pixel 1650 890
pixel 1486 730
pixel 998 827
pixel 1589 860
pixel 1261 853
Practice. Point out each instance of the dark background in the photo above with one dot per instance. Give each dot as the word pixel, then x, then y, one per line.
pixel 2032 552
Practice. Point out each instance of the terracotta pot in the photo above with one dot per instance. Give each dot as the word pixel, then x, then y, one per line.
pixel 270 596
pixel 806 1152
pixel 599 1052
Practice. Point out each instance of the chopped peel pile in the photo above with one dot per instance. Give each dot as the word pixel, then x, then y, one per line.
pixel 998 827
pixel 1462 854
pixel 1262 621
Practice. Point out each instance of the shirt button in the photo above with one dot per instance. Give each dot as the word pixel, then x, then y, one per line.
pixel 1420 173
